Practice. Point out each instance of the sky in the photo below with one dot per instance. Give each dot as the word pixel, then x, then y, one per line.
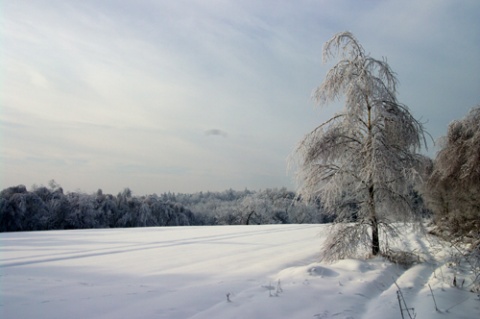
pixel 206 95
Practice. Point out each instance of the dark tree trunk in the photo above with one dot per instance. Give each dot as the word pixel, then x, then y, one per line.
pixel 375 240
pixel 374 222
pixel 371 189
pixel 247 222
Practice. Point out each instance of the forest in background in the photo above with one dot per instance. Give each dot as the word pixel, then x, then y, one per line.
pixel 48 208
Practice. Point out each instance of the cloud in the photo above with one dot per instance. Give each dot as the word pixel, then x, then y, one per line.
pixel 216 132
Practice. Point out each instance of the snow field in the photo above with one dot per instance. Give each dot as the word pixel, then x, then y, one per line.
pixel 268 271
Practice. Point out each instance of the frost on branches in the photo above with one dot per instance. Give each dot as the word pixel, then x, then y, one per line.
pixel 362 162
pixel 453 189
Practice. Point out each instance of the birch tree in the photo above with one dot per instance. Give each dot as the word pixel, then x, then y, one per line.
pixel 360 162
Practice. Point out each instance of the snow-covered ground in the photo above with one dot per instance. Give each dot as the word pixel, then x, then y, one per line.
pixel 269 271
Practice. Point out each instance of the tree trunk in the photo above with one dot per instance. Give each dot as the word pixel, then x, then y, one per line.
pixel 247 222
pixel 371 189
pixel 375 240
pixel 373 222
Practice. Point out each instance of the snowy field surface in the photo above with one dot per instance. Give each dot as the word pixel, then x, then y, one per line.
pixel 268 271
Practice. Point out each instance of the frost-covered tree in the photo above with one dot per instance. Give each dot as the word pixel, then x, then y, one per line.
pixel 360 162
pixel 453 189
pixel 82 212
pixel 12 208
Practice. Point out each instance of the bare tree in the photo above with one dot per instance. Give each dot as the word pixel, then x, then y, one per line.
pixel 453 189
pixel 360 162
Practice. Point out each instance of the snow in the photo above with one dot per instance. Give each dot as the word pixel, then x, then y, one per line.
pixel 267 271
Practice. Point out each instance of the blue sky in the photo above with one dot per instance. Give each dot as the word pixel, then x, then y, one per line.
pixel 189 96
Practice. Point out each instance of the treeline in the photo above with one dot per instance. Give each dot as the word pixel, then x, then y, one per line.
pixel 269 206
pixel 47 208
